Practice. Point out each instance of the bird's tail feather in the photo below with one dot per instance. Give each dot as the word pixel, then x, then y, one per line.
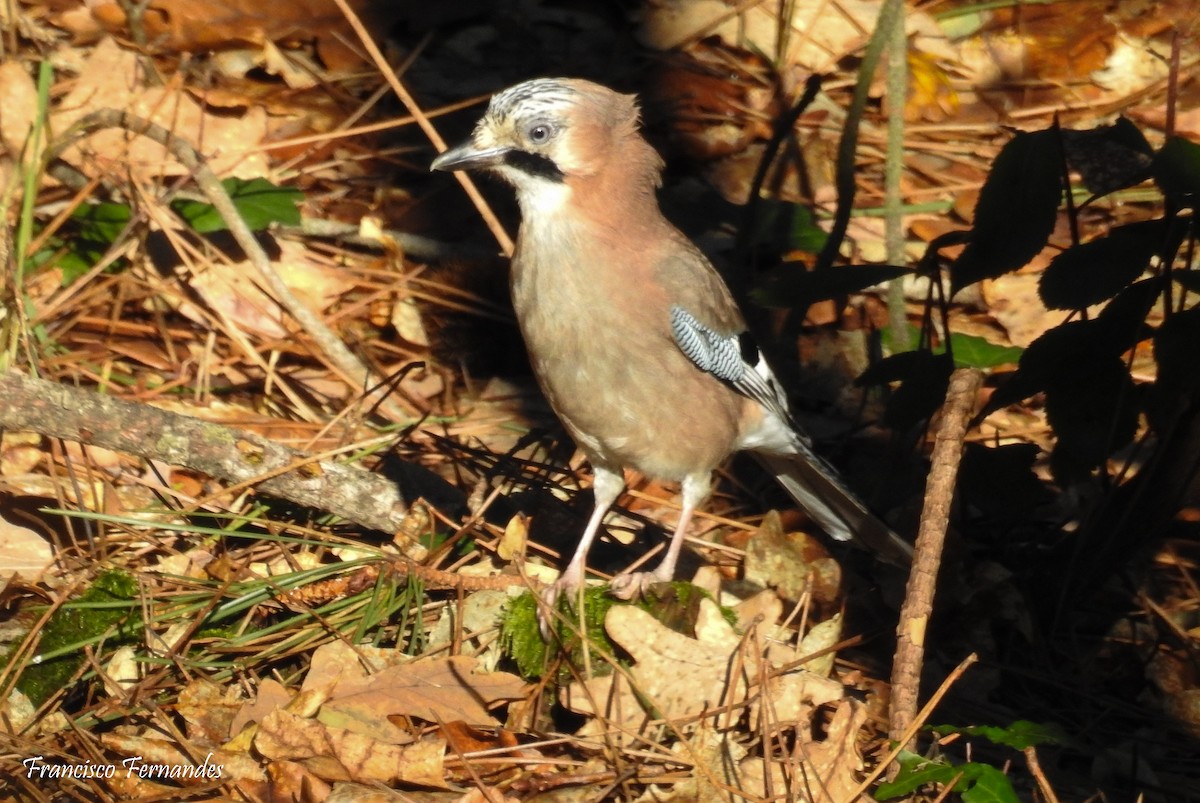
pixel 817 488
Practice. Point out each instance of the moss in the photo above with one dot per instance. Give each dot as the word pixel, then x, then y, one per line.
pixel 674 604
pixel 106 607
pixel 521 638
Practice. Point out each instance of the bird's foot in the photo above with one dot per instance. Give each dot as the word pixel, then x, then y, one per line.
pixel 634 585
pixel 567 584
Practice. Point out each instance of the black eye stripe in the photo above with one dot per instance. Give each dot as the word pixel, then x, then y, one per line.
pixel 534 164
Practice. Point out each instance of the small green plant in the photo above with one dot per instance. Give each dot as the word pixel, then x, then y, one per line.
pixel 258 201
pixel 674 604
pixel 106 611
pixel 95 227
pixel 975 781
pixel 521 638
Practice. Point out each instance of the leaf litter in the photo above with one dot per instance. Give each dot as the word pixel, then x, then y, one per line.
pixel 374 680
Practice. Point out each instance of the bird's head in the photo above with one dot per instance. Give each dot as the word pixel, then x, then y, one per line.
pixel 549 134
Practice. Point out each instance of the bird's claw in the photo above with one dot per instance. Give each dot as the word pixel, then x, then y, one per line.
pixel 548 603
pixel 634 585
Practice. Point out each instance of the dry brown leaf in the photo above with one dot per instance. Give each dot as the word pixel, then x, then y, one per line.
pixel 22 551
pixel 714 758
pixel 337 754
pixel 337 661
pixel 209 710
pixel 112 79
pixel 822 32
pixel 158 758
pixel 462 739
pixel 516 536
pixel 763 607
pixel 680 677
pixel 1013 300
pixel 122 671
pixel 292 781
pixel 432 689
pixel 271 695
pixel 191 25
pixel 20 452
pixel 794 564
pixel 827 770
pixel 20 107
pixel 479 614
pixel 821 637
pixel 226 288
pixel 486 795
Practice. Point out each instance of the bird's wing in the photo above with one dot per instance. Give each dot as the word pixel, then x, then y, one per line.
pixel 733 358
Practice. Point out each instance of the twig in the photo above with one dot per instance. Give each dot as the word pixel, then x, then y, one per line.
pixel 485 211
pixel 927 555
pixel 346 490
pixel 893 171
pixel 848 144
pixel 1035 767
pixel 917 722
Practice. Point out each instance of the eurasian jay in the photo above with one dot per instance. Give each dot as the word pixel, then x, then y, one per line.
pixel 634 338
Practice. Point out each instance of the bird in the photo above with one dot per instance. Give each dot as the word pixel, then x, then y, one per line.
pixel 635 339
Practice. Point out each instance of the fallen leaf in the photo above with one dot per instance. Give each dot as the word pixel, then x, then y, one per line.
pixel 22 551
pixel 832 764
pixel 112 78
pixel 432 689
pixel 158 758
pixel 209 709
pixel 339 755
pixel 676 677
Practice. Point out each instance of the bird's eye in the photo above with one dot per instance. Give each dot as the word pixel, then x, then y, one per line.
pixel 540 134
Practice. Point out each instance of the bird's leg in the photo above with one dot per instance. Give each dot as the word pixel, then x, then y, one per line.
pixel 628 586
pixel 606 487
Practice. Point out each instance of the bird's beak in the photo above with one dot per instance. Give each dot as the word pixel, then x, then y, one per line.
pixel 468 157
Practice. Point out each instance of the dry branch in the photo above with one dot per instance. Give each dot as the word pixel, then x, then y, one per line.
pixel 228 454
pixel 927 553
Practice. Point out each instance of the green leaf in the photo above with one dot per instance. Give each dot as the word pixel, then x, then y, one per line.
pixel 90 233
pixel 258 201
pixel 792 286
pixel 977 783
pixel 970 351
pixel 981 779
pixel 1019 735
pixel 1016 210
pixel 973 351
pixel 786 226
pixel 103 222
pixel 75 264
pixel 1176 167
pixel 1095 271
pixel 915 772
pixel 988 785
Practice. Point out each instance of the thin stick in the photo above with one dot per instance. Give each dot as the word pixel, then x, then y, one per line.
pixel 485 211
pixel 927 555
pixel 912 729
